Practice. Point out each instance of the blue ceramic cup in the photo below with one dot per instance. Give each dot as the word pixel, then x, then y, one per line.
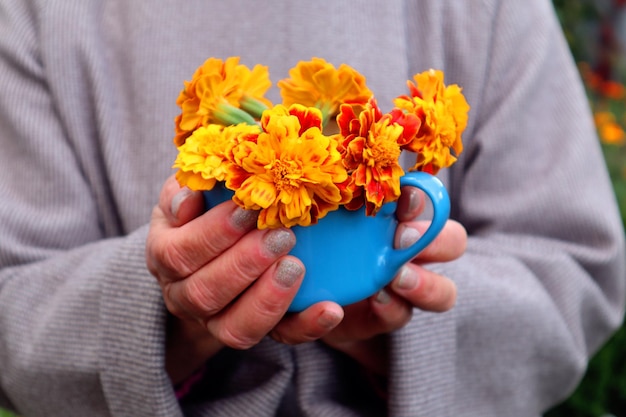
pixel 350 256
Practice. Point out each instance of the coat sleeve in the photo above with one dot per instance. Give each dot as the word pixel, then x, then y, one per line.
pixel 80 316
pixel 541 285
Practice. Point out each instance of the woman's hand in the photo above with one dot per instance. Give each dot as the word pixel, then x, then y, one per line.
pixel 361 334
pixel 224 282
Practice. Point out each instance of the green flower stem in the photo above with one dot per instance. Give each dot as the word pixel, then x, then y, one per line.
pixel 253 106
pixel 326 108
pixel 228 115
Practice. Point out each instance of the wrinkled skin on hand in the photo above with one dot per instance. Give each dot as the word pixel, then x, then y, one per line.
pixel 226 283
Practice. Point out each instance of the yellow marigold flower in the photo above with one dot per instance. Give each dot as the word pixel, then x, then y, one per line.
pixel 371 151
pixel 602 117
pixel 612 133
pixel 317 83
pixel 206 156
pixel 443 112
pixel 222 92
pixel 293 173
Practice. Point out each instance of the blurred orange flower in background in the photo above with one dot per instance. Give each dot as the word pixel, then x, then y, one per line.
pixel 609 130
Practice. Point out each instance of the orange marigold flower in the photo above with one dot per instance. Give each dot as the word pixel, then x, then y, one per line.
pixel 293 173
pixel 219 92
pixel 443 112
pixel 609 130
pixel 206 156
pixel 371 151
pixel 317 83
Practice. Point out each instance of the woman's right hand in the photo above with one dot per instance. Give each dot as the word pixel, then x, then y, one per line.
pixel 225 282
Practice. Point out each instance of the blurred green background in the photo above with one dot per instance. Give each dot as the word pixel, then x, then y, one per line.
pixel 596 32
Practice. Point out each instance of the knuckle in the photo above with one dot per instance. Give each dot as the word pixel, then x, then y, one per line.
pixel 173 307
pixel 200 299
pixel 438 293
pixel 173 258
pixel 280 337
pixel 429 294
pixel 291 340
pixel 242 270
pixel 294 331
pixel 402 314
pixel 270 309
pixel 237 340
pixel 245 266
pixel 266 314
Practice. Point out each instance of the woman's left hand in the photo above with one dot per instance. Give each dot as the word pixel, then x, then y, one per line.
pixel 361 334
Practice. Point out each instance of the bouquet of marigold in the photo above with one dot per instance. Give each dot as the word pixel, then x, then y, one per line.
pixel 280 160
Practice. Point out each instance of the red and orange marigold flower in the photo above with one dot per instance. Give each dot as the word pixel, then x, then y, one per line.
pixel 443 113
pixel 371 151
pixel 279 161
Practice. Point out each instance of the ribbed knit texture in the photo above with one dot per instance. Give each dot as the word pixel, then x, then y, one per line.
pixel 87 102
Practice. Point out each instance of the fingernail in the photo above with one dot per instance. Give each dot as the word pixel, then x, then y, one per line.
pixel 383 297
pixel 279 241
pixel 178 200
pixel 287 273
pixel 408 237
pixel 415 200
pixel 407 280
pixel 329 319
pixel 244 219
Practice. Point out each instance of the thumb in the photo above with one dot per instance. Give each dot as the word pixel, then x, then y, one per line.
pixel 180 204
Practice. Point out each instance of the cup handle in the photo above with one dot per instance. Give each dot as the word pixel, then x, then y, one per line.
pixel 436 191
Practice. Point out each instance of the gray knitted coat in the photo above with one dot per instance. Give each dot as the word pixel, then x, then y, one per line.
pixel 87 102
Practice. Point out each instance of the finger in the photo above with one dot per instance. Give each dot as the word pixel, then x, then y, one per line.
pixel 450 244
pixel 308 325
pixel 391 310
pixel 410 204
pixel 179 204
pixel 259 309
pixel 384 312
pixel 215 285
pixel 175 253
pixel 424 289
